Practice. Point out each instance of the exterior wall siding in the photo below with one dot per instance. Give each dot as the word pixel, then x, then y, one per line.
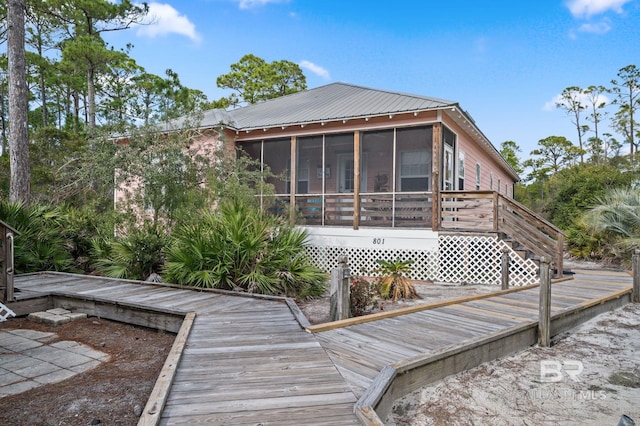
pixel 474 154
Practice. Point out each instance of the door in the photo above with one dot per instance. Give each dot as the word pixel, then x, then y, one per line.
pixel 346 176
pixel 345 179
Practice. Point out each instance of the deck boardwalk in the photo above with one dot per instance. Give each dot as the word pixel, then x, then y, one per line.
pixel 248 361
pixel 360 351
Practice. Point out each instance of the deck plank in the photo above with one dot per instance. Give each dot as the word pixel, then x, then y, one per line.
pixel 248 361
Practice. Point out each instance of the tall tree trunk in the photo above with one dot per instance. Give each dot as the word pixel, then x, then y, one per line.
pixel 19 184
pixel 3 99
pixel 91 98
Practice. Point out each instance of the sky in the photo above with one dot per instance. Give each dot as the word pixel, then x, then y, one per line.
pixel 504 62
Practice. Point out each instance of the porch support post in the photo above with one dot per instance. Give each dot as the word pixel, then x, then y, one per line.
pixel 293 180
pixel 544 311
pixel 436 155
pixel 356 179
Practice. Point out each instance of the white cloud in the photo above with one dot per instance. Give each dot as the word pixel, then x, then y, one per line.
pixel 588 8
pixel 250 4
pixel 583 98
pixel 316 69
pixel 595 27
pixel 163 19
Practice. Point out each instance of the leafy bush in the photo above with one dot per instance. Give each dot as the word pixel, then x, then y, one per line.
pixel 393 282
pixel 576 189
pixel 363 296
pixel 239 247
pixel 135 256
pixel 611 229
pixel 43 243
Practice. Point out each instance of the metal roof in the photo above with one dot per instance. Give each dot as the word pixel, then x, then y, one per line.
pixel 336 101
pixel 209 118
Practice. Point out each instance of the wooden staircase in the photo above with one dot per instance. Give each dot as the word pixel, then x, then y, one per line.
pixel 489 212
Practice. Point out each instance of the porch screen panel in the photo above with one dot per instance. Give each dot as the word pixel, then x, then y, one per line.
pixel 376 197
pixel 312 175
pixel 276 156
pixel 378 146
pixel 253 151
pixel 412 200
pixel 339 179
pixel 311 170
pixel 413 159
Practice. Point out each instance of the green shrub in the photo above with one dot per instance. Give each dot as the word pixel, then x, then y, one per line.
pixel 134 256
pixel 363 295
pixel 239 247
pixel 43 243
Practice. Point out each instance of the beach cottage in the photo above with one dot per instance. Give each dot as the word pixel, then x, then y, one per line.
pixel 376 174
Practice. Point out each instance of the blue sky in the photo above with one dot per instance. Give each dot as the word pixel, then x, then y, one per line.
pixel 504 61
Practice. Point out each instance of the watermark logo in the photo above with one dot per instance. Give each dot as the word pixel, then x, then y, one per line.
pixel 554 371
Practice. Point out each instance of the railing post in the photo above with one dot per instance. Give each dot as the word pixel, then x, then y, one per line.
pixel 340 290
pixel 505 268
pixel 544 315
pixel 559 256
pixel 635 298
pixel 9 267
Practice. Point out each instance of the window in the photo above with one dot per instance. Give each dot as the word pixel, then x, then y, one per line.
pixel 414 170
pixel 303 176
pixel 491 181
pixel 477 176
pixel 461 171
pixel 499 186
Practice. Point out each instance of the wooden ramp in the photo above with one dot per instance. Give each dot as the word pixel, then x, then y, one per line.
pixel 248 360
pixel 361 351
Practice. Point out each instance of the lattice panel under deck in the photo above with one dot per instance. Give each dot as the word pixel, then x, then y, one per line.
pixel 363 261
pixel 478 260
pixel 5 313
pixel 460 259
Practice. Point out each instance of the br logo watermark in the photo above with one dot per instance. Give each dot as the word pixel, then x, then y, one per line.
pixel 554 371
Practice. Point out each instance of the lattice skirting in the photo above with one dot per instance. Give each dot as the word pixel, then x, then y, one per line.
pixel 458 259
pixel 478 260
pixel 363 261
pixel 5 313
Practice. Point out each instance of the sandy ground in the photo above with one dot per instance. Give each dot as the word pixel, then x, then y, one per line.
pixel 590 376
pixel 317 310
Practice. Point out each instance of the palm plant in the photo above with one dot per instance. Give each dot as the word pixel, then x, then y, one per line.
pixel 615 220
pixel 239 247
pixel 135 255
pixel 394 282
pixel 43 244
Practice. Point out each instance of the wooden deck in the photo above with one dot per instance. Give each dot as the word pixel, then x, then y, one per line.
pixel 361 351
pixel 248 360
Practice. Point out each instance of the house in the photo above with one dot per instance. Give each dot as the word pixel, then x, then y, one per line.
pixel 376 174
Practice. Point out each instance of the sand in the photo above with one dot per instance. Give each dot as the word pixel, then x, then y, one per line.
pixel 589 376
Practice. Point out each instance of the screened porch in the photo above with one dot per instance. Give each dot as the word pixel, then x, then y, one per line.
pixel 377 178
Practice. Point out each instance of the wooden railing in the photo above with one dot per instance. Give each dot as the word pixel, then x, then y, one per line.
pixel 6 261
pixel 400 210
pixel 488 211
pixel 472 211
